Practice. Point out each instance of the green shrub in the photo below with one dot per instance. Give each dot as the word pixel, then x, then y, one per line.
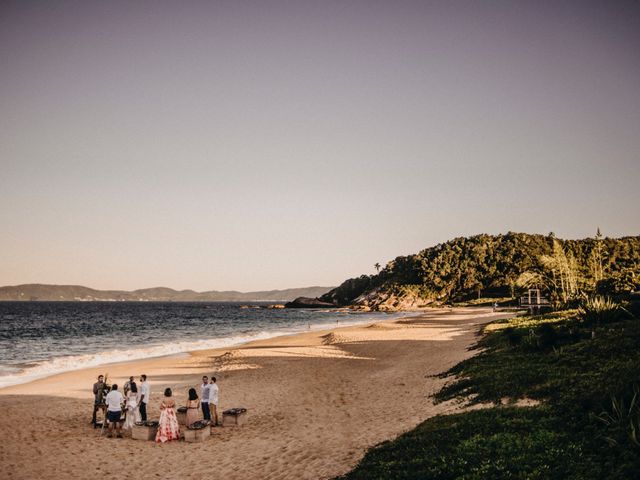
pixel 598 310
pixel 622 420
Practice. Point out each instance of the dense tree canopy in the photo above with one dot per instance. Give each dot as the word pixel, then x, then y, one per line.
pixel 503 265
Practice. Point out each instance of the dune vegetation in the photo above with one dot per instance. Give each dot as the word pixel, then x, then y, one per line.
pixel 558 397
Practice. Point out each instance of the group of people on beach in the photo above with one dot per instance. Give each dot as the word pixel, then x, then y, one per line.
pixel 123 411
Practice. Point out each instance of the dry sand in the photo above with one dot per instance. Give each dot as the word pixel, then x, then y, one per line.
pixel 316 402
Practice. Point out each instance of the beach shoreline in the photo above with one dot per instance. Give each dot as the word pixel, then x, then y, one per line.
pixel 163 359
pixel 206 345
pixel 316 401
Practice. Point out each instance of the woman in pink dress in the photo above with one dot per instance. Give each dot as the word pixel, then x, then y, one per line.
pixel 193 408
pixel 168 428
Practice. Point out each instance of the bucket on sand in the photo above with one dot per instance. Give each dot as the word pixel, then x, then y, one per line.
pixel 181 415
pixel 198 432
pixel 144 431
pixel 234 417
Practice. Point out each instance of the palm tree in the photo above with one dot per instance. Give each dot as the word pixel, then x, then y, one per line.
pixel 596 258
pixel 377 267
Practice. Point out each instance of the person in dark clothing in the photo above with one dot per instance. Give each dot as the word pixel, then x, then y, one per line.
pixel 98 398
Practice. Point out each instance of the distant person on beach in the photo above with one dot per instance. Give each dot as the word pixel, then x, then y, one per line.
pixel 193 405
pixel 213 399
pixel 114 400
pixel 98 400
pixel 145 393
pixel 168 427
pixel 132 411
pixel 205 391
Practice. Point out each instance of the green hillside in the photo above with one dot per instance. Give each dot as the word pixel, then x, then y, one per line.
pixel 501 266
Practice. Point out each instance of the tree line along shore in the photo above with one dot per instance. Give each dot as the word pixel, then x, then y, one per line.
pixel 497 267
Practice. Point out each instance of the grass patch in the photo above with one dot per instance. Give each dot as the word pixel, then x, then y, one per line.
pixel 487 302
pixel 585 428
pixel 493 443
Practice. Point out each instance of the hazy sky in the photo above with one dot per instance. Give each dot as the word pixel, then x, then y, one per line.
pixel 258 145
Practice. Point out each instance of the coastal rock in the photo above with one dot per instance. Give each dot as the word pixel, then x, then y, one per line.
pixel 383 300
pixel 306 302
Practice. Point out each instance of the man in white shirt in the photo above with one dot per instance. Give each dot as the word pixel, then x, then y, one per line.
pixel 213 399
pixel 114 401
pixel 145 393
pixel 205 392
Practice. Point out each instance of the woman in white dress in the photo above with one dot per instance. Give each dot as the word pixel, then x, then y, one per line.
pixel 133 411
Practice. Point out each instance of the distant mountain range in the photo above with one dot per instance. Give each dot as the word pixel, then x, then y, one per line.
pixel 79 293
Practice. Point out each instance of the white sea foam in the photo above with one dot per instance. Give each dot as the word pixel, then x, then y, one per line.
pixel 8 375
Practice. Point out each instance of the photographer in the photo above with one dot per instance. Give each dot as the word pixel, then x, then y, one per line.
pixel 98 397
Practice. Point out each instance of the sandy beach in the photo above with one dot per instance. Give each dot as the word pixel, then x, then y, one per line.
pixel 316 401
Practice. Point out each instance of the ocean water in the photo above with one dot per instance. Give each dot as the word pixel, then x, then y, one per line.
pixel 38 339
